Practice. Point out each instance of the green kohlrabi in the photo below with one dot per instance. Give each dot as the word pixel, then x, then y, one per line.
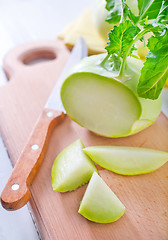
pixel 116 94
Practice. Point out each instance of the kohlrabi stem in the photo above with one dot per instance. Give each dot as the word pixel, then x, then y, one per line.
pixel 137 37
pixel 104 60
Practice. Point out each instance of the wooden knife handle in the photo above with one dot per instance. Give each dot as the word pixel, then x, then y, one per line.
pixel 16 192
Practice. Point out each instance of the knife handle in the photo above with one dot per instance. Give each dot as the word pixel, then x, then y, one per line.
pixel 16 193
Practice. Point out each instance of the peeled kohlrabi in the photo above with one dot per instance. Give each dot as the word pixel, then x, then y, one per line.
pixel 96 98
pixel 99 203
pixel 72 168
pixel 127 160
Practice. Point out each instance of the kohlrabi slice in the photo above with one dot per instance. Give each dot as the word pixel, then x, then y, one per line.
pixel 99 203
pixel 96 98
pixel 72 168
pixel 101 104
pixel 127 160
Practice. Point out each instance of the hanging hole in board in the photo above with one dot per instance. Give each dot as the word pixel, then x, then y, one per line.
pixel 38 56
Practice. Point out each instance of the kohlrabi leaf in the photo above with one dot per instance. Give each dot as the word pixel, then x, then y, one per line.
pixel 115 11
pixel 136 10
pixel 155 70
pixel 119 10
pixel 131 16
pixel 149 8
pixel 121 37
pixel 131 10
pixel 152 15
pixel 163 15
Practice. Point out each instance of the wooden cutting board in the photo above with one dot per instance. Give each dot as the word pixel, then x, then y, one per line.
pixel 21 102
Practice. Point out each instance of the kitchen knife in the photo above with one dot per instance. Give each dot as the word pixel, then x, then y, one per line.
pixel 16 192
pixel 20 222
pixel 165 101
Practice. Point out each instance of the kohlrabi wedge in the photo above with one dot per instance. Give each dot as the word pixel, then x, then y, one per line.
pixel 96 98
pixel 99 203
pixel 72 168
pixel 127 160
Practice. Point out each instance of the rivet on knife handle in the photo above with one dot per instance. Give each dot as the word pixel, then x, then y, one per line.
pixel 16 192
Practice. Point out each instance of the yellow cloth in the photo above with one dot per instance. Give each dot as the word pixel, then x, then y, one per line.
pixel 84 27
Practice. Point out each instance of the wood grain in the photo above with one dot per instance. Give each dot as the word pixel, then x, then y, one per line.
pixel 145 196
pixel 30 160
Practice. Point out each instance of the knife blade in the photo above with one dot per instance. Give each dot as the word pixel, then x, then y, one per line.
pixel 165 101
pixel 79 51
pixel 16 192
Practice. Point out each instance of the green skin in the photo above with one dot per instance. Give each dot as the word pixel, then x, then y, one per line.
pixel 100 64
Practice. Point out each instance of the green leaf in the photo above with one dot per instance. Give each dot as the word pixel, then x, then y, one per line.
pixel 131 10
pixel 131 16
pixel 121 37
pixel 150 8
pixel 155 71
pixel 121 9
pixel 115 11
pixel 163 15
pixel 153 16
pixel 156 28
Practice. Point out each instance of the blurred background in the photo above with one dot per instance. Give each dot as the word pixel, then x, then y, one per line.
pixel 32 20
